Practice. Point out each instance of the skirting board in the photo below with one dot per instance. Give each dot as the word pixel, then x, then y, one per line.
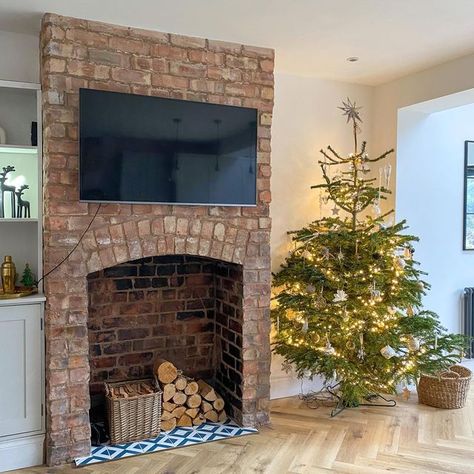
pixel 21 452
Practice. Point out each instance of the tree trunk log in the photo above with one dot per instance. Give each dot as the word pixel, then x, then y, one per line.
pixel 194 400
pixel 181 383
pixel 219 404
pixel 192 412
pixel 205 406
pixel 206 391
pixel 165 371
pixel 167 425
pixel 185 420
pixel 169 406
pixel 211 415
pixel 169 391
pixel 191 388
pixel 178 412
pixel 180 398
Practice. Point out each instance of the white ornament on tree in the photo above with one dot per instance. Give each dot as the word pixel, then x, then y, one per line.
pixel 388 352
pixel 413 343
pixel 340 296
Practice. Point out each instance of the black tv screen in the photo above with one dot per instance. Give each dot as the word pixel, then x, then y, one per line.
pixel 145 149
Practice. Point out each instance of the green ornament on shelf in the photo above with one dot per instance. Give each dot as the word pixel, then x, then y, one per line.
pixel 27 279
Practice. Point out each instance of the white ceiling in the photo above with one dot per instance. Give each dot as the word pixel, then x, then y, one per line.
pixel 311 37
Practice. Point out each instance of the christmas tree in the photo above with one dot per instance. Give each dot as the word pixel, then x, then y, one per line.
pixel 348 304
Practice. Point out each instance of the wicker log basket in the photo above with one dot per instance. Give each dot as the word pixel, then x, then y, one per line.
pixel 448 389
pixel 135 416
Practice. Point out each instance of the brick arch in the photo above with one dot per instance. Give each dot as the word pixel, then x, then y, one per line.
pixel 115 243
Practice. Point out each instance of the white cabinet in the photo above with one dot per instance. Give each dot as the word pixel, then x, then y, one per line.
pixel 20 369
pixel 21 381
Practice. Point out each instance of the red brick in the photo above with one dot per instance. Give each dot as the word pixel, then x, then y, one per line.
pixel 54 65
pixel 87 38
pixel 147 35
pixel 224 46
pixel 267 65
pixel 244 90
pixel 241 62
pixel 109 58
pixel 129 76
pixel 173 82
pixel 169 52
pixel 187 41
pixel 225 74
pixel 187 70
pixel 206 57
pixel 86 69
pixel 127 45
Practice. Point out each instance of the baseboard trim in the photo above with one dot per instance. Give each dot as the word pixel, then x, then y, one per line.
pixel 21 452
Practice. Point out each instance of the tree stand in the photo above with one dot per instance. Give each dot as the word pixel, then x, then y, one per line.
pixel 329 394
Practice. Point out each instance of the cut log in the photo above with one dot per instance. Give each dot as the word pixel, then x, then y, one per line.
pixel 192 412
pixel 180 398
pixel 222 417
pixel 205 406
pixel 167 425
pixel 194 400
pixel 185 420
pixel 167 415
pixel 219 404
pixel 169 391
pixel 165 371
pixel 211 415
pixel 206 391
pixel 181 383
pixel 191 388
pixel 199 420
pixel 178 412
pixel 169 406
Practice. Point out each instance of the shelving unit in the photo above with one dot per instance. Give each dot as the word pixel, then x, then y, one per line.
pixel 22 423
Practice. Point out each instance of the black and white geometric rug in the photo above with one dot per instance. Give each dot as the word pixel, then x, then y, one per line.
pixel 176 438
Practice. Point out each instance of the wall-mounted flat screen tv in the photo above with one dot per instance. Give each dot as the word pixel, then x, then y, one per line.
pixel 143 149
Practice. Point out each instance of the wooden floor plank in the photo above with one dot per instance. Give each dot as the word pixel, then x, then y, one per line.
pixel 407 439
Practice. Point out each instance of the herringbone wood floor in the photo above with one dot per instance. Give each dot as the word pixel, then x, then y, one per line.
pixel 410 438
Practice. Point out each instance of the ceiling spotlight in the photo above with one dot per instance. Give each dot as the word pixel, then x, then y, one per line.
pixel 352 59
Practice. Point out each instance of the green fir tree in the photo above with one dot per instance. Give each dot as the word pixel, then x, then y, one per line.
pixel 27 279
pixel 348 304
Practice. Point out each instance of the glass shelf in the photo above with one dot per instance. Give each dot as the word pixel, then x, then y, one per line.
pixel 18 149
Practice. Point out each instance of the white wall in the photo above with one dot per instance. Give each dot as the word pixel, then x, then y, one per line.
pixel 430 188
pixel 19 57
pixel 17 111
pixel 305 119
pixel 442 80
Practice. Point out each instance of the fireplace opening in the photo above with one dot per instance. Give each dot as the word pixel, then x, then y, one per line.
pixel 186 309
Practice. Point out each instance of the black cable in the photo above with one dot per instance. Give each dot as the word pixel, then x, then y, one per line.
pixel 72 251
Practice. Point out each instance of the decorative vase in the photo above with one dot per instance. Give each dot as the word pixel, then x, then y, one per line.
pixel 8 271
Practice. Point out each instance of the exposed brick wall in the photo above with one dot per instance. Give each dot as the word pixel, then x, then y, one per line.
pixel 78 53
pixel 229 319
pixel 186 309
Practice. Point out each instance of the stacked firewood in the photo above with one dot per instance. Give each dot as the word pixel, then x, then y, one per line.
pixel 186 402
pixel 131 389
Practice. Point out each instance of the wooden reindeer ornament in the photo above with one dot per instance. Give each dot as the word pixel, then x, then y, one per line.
pixel 23 207
pixel 5 188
